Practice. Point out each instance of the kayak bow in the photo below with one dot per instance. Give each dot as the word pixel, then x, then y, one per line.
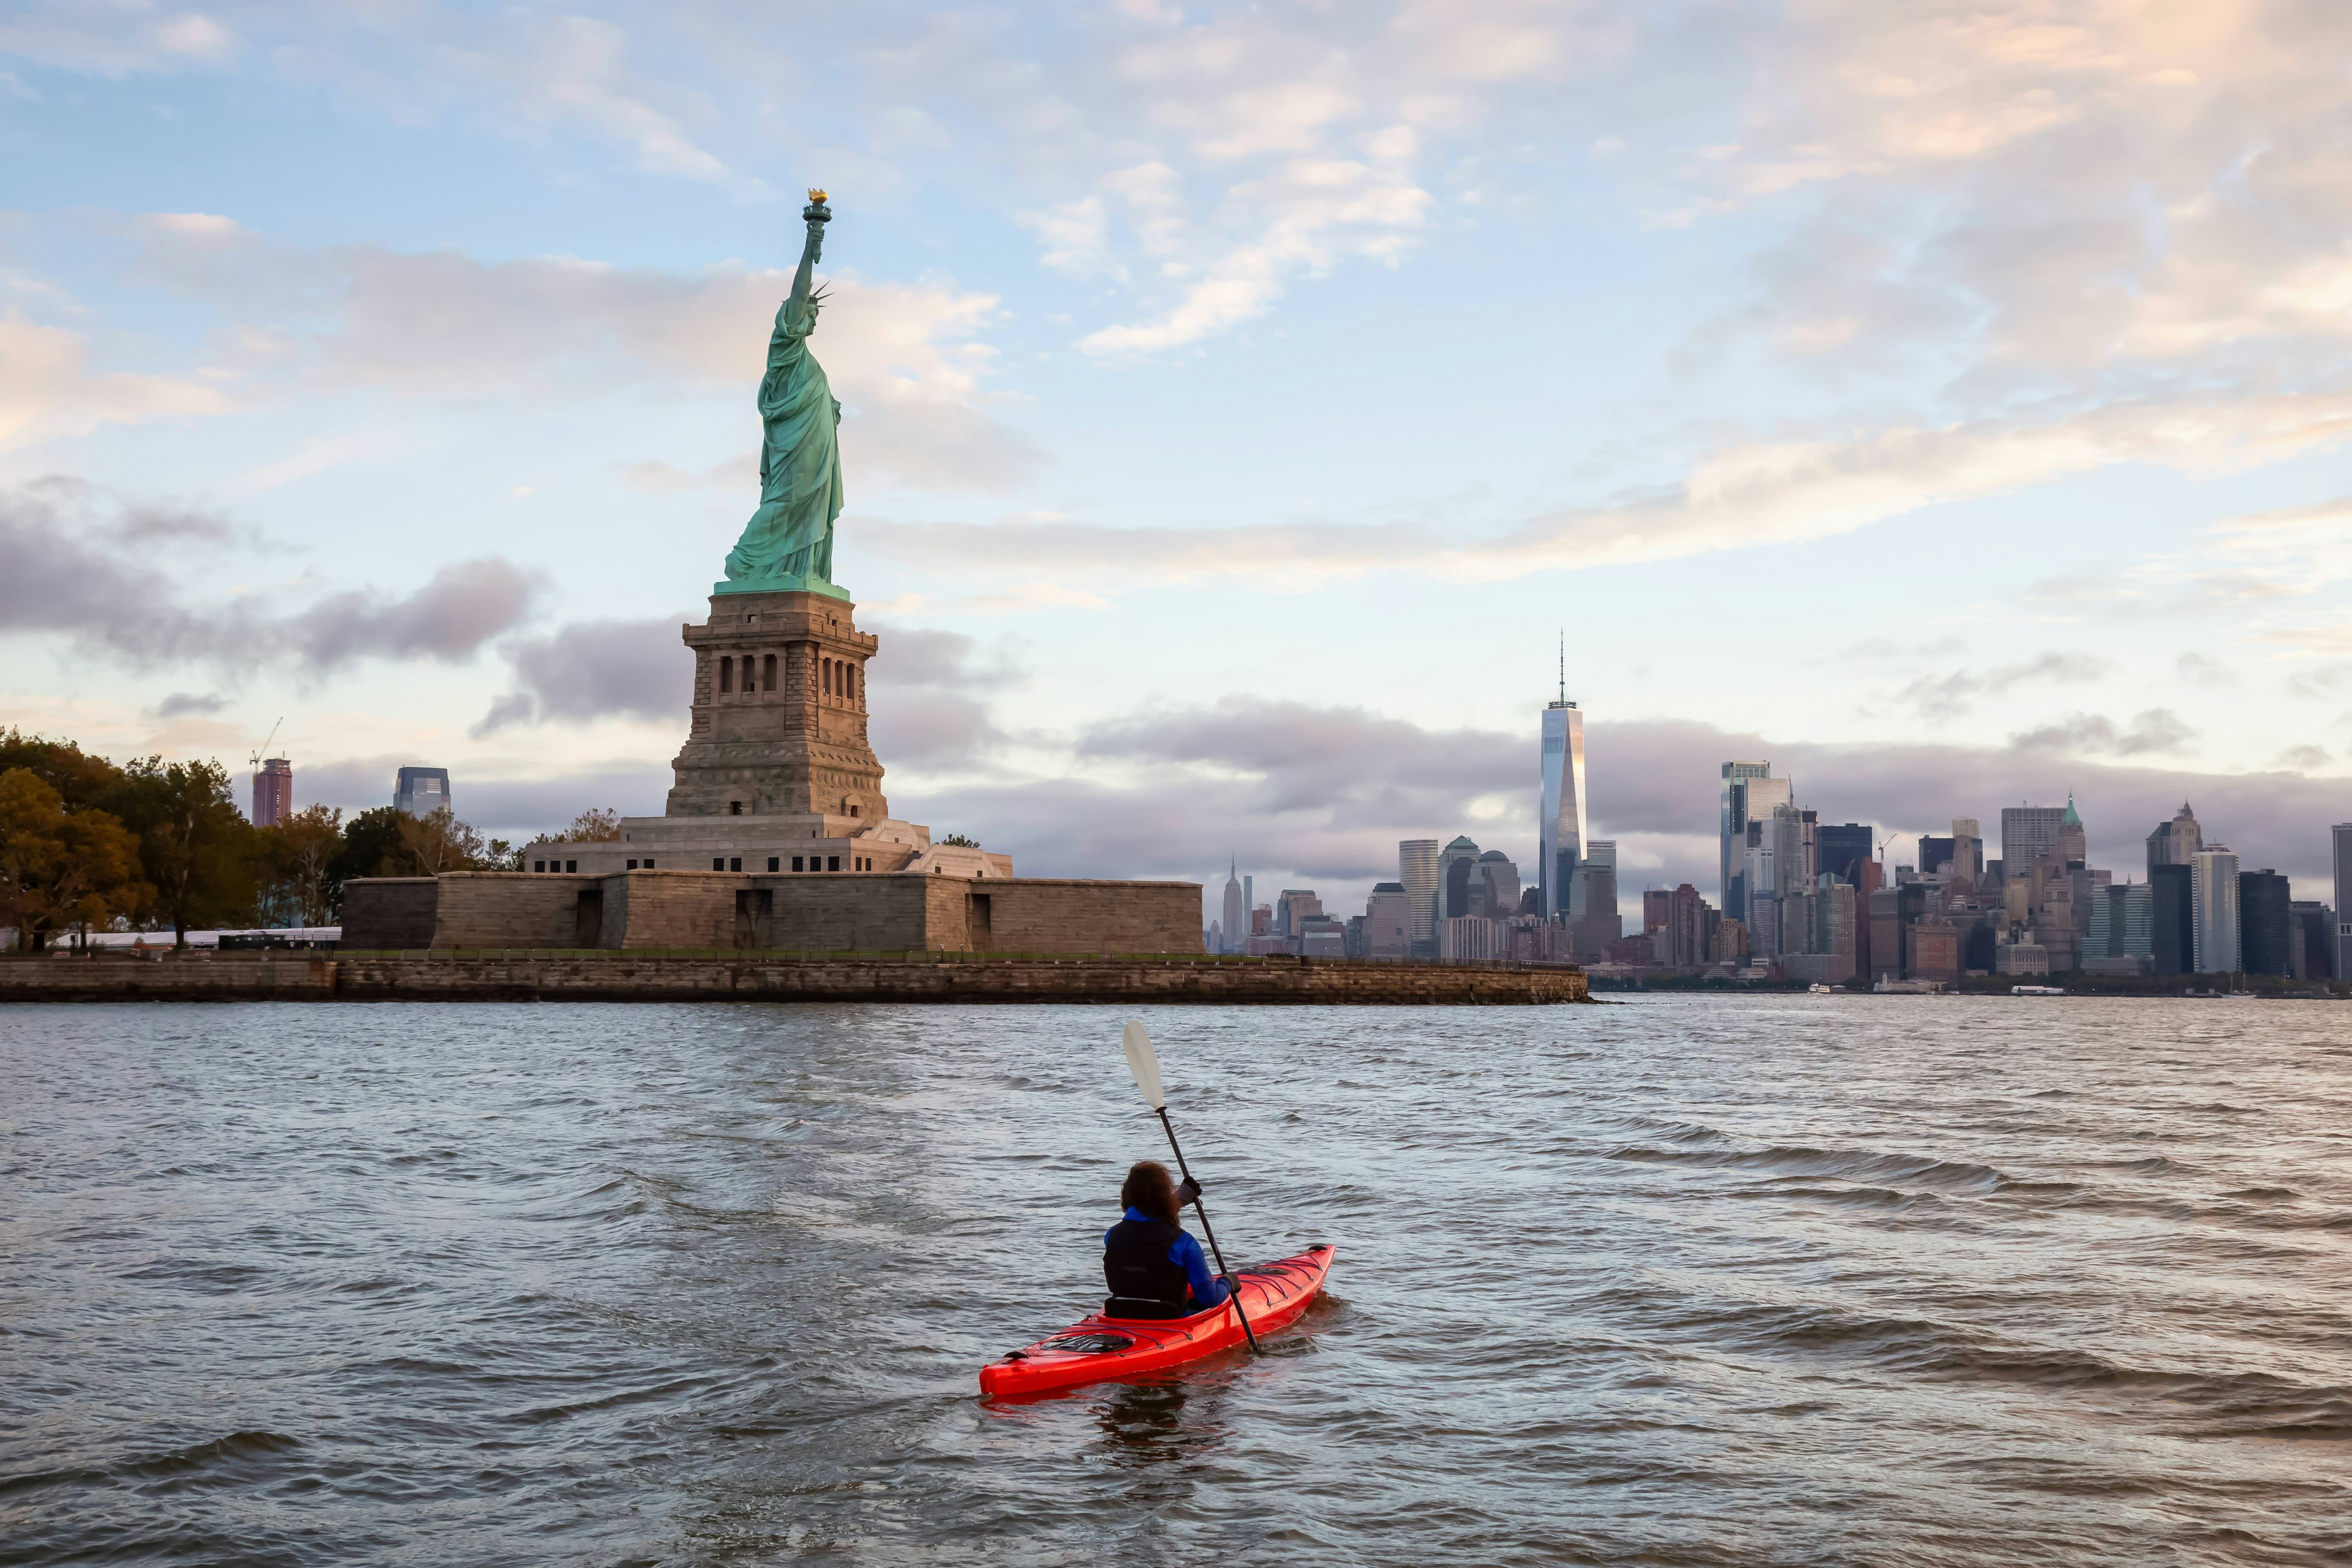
pixel 1097 1347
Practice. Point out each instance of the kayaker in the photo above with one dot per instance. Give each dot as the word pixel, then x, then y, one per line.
pixel 1154 1269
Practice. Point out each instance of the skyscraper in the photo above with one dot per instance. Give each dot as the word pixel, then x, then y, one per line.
pixel 1841 846
pixel 1600 924
pixel 1968 850
pixel 1560 832
pixel 1687 928
pixel 273 792
pixel 1495 885
pixel 1388 922
pixel 2172 935
pixel 2311 940
pixel 2073 849
pixel 2213 909
pixel 421 792
pixel 1732 817
pixel 2263 916
pixel 1934 851
pixel 1417 870
pixel 1796 854
pixel 2123 923
pixel 2343 835
pixel 1454 864
pixel 1235 924
pixel 2027 832
pixel 2174 842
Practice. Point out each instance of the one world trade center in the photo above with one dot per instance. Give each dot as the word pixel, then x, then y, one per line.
pixel 1562 828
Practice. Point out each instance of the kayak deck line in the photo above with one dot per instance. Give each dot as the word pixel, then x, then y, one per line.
pixel 1097 1347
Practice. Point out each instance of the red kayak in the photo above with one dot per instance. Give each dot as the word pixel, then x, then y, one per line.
pixel 1096 1347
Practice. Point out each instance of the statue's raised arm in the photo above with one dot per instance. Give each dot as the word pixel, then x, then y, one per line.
pixel 795 308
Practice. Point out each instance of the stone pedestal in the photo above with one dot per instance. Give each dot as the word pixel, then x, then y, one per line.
pixel 779 725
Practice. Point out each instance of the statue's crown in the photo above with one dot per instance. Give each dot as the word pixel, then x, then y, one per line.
pixel 817 196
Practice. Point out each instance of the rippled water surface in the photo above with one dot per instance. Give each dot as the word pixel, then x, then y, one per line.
pixel 1684 1280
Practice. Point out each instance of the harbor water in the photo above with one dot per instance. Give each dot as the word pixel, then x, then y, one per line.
pixel 1685 1279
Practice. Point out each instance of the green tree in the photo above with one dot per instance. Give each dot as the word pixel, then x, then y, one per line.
pixel 598 825
pixel 197 850
pixel 295 854
pixel 80 780
pixel 374 845
pixel 441 843
pixel 59 868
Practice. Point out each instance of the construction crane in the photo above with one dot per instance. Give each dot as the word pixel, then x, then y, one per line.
pixel 257 755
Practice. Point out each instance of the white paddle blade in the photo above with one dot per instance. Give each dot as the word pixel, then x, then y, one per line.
pixel 1144 1063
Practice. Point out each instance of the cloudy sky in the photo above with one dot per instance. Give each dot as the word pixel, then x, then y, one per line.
pixel 1947 403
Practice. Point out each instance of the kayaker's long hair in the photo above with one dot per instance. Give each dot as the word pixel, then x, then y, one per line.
pixel 1149 1187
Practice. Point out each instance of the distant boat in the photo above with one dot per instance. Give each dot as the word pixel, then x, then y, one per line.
pixel 2037 991
pixel 1818 989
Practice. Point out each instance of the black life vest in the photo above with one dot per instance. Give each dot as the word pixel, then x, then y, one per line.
pixel 1135 1262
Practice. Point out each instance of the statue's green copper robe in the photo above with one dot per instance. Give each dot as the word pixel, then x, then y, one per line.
pixel 788 544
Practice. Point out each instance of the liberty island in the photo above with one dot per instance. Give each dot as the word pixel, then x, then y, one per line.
pixel 776 834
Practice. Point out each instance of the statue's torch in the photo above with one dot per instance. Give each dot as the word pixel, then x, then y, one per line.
pixel 816 211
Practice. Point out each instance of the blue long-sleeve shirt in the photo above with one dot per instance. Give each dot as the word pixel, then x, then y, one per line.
pixel 1208 1290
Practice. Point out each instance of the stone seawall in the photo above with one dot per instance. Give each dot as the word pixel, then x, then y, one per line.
pixel 643 977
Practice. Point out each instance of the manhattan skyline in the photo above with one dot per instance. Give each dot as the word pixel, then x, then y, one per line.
pixel 387 375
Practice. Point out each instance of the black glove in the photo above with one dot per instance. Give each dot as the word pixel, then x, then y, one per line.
pixel 1188 1192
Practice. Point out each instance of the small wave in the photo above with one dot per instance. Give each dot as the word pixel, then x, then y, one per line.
pixel 1854 1196
pixel 2323 1418
pixel 1856 1165
pixel 212 1278
pixel 172 1465
pixel 198 1456
pixel 2149 1165
pixel 2250 1404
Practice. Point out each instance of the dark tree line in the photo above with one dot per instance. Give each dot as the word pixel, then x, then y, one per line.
pixel 86 844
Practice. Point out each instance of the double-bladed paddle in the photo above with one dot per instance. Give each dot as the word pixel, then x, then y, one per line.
pixel 1144 1063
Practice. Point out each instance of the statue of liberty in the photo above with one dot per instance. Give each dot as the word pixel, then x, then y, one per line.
pixel 787 547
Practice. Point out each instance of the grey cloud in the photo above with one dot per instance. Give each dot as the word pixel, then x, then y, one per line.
pixel 463 607
pixel 1947 696
pixel 78 562
pixel 931 696
pixel 591 669
pixel 149 524
pixel 1318 759
pixel 925 658
pixel 2301 759
pixel 2157 730
pixel 933 730
pixel 180 704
